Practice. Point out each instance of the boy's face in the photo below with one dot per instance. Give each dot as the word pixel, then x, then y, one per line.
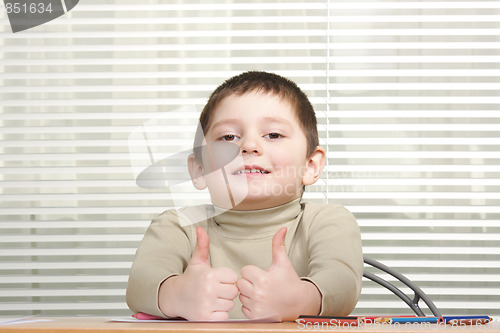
pixel 272 165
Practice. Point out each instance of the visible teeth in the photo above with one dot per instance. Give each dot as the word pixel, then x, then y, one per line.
pixel 250 171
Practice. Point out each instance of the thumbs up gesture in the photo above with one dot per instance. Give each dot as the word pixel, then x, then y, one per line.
pixel 201 292
pixel 277 292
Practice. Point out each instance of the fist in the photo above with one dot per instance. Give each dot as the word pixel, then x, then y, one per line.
pixel 201 292
pixel 270 293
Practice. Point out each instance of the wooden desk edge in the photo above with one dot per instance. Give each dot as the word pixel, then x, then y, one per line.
pixel 104 325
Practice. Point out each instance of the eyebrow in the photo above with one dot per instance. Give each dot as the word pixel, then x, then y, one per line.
pixel 267 119
pixel 224 122
pixel 278 120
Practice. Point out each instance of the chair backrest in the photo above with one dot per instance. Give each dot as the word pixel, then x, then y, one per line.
pixel 412 302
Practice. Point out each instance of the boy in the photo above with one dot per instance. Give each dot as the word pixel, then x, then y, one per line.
pixel 237 262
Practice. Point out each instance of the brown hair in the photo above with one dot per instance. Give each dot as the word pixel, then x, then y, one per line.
pixel 267 83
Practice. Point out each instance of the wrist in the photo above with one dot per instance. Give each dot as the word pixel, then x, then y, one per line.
pixel 312 299
pixel 166 296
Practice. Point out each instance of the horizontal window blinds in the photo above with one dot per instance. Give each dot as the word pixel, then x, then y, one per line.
pixel 407 100
pixel 412 129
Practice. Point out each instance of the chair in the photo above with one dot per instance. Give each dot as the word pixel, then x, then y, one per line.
pixel 412 303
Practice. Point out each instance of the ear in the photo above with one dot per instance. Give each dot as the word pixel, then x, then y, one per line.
pixel 314 166
pixel 196 173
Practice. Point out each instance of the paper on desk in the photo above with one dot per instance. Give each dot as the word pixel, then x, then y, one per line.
pixel 135 320
pixel 23 320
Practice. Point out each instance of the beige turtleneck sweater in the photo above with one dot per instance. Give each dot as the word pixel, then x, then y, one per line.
pixel 323 243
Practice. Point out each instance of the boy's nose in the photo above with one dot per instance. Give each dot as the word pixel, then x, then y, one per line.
pixel 249 151
pixel 250 146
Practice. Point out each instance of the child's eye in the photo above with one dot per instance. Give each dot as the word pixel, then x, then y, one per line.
pixel 228 137
pixel 273 136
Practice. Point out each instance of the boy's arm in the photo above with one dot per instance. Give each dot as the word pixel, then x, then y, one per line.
pixel 336 258
pixel 167 279
pixel 164 252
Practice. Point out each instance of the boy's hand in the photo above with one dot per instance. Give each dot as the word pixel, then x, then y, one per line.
pixel 278 291
pixel 201 292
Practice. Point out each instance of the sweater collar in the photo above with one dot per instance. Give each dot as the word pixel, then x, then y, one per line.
pixel 256 223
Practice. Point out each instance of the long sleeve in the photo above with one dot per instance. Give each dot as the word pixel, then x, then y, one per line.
pixel 164 251
pixel 324 243
pixel 335 257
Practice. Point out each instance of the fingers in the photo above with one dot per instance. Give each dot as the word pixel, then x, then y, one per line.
pixel 219 316
pixel 256 306
pixel 244 287
pixel 253 278
pixel 225 275
pixel 252 273
pixel 224 302
pixel 254 288
pixel 227 282
pixel 246 301
pixel 200 253
pixel 227 291
pixel 247 312
pixel 217 306
pixel 278 248
pixel 262 293
pixel 223 305
pixel 212 290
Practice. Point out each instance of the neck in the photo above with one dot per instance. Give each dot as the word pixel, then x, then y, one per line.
pixel 256 222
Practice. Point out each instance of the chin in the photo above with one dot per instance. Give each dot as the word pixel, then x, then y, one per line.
pixel 261 203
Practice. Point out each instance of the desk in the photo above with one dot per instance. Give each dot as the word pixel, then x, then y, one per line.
pixel 103 325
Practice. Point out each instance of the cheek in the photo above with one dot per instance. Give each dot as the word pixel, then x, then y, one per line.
pixel 287 167
pixel 214 179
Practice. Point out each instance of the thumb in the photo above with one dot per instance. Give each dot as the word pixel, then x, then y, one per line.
pixel 200 253
pixel 280 256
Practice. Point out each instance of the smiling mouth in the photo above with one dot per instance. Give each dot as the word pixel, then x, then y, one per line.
pixel 250 171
